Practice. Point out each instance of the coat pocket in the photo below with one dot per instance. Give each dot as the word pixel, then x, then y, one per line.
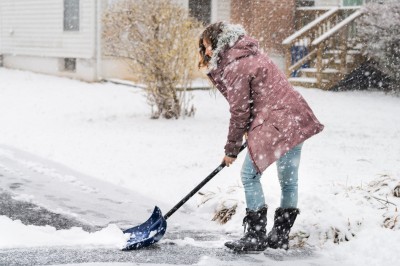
pixel 257 123
pixel 276 128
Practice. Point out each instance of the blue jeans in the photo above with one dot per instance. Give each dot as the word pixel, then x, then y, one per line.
pixel 287 166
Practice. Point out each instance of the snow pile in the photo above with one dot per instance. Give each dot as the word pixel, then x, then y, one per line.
pixel 14 234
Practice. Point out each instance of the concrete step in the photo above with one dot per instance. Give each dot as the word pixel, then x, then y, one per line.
pixel 325 71
pixel 305 82
pixel 312 72
pixel 338 52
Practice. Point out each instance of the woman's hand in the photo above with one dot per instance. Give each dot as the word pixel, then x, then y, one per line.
pixel 228 160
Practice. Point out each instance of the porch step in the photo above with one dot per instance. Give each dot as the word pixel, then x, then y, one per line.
pixel 354 51
pixel 303 79
pixel 333 52
pixel 305 82
pixel 350 51
pixel 325 71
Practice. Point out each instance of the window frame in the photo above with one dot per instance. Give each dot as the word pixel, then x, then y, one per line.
pixel 198 7
pixel 71 20
pixel 67 62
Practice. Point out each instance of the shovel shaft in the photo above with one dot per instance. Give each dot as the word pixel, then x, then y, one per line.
pixel 199 186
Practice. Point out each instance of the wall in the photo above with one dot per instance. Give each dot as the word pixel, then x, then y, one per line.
pixel 85 69
pixel 35 28
pixel 221 10
pixel 113 68
pixel 269 21
pixel 1 28
pixel 33 38
pixel 182 3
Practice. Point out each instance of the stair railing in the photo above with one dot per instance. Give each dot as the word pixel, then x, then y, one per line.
pixel 327 33
pixel 307 34
pixel 337 34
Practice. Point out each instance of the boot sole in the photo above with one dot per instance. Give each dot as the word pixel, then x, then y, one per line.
pixel 240 250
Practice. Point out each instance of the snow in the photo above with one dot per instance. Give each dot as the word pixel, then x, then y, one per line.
pixel 103 132
pixel 314 70
pixel 14 234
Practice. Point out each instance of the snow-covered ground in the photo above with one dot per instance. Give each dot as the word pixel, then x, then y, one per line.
pixel 103 132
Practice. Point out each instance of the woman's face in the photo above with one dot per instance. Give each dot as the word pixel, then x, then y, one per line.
pixel 208 47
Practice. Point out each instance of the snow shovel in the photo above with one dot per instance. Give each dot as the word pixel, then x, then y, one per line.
pixel 154 228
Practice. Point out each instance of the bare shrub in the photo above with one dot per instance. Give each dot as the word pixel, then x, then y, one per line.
pixel 159 40
pixel 382 37
pixel 224 213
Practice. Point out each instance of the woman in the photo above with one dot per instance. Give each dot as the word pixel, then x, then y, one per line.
pixel 276 120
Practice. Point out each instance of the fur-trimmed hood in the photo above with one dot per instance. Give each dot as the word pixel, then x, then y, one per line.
pixel 232 44
pixel 231 33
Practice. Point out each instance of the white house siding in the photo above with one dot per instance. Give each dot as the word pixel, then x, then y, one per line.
pixel 1 28
pixel 221 10
pixel 33 37
pixel 182 3
pixel 1 39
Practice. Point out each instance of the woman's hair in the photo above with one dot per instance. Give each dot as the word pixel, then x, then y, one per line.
pixel 211 35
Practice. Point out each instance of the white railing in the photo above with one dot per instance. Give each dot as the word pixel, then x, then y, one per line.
pixel 337 27
pixel 329 44
pixel 316 22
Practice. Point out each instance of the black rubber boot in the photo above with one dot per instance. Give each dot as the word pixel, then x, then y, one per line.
pixel 284 219
pixel 255 239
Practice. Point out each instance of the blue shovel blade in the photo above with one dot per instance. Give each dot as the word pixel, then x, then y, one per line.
pixel 147 233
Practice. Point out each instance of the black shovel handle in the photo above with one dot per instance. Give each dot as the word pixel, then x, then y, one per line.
pixel 199 186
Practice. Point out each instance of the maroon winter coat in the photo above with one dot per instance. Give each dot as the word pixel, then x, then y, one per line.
pixel 262 102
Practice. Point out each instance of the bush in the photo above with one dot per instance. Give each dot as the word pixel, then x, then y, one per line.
pixel 380 31
pixel 159 40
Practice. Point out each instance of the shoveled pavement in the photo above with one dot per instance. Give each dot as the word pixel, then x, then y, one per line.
pixel 164 253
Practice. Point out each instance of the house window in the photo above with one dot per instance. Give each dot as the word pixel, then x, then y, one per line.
pixel 301 3
pixel 69 64
pixel 201 10
pixel 352 2
pixel 71 15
